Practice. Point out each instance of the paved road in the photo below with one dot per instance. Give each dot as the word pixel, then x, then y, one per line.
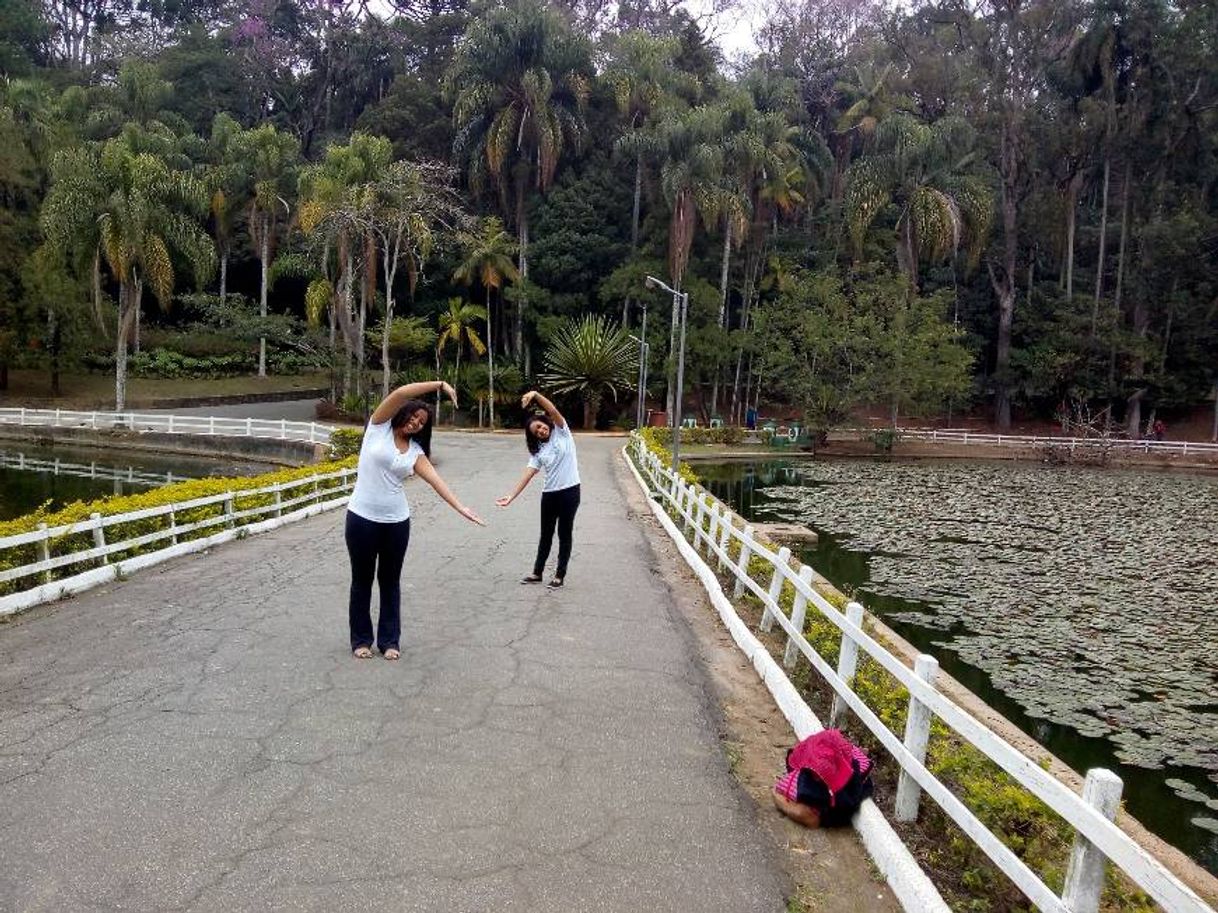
pixel 198 738
pixel 294 410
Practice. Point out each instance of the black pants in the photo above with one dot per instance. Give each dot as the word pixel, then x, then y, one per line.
pixel 557 509
pixel 376 549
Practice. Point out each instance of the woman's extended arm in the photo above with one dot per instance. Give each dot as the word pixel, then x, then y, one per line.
pixel 425 471
pixel 551 410
pixel 520 486
pixel 398 398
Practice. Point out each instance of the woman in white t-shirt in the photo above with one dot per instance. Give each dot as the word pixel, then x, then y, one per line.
pixel 397 444
pixel 552 450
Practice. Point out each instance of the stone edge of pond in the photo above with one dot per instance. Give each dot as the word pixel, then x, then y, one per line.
pixel 1176 861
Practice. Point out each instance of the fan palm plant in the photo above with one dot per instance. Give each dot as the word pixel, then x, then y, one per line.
pixel 591 357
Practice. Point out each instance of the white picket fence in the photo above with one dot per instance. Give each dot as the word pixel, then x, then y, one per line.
pixel 37 582
pixel 272 429
pixel 712 528
pixel 60 467
pixel 1125 445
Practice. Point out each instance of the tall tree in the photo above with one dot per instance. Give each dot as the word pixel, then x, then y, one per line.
pixel 143 210
pixel 519 82
pixel 271 159
pixel 487 258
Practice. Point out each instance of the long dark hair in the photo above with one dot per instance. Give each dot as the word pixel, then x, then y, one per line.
pixel 422 437
pixel 531 440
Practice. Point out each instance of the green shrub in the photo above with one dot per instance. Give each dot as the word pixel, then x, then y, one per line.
pixel 653 439
pixel 345 442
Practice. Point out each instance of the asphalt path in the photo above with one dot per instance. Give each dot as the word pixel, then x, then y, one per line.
pixel 199 738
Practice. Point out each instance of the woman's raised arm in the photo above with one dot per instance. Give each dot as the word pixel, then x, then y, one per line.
pixel 399 397
pixel 551 410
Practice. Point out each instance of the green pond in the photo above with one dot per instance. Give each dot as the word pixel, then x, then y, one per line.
pixel 1078 602
pixel 31 476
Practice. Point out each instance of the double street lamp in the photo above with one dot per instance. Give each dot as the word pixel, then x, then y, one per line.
pixel 680 305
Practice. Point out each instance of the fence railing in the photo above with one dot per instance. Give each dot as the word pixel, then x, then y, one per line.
pixel 76 556
pixel 1124 445
pixel 712 528
pixel 274 429
pixel 60 467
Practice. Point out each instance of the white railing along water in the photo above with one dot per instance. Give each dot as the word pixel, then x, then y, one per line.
pixel 712 528
pixel 1125 445
pixel 60 467
pixel 36 583
pixel 272 429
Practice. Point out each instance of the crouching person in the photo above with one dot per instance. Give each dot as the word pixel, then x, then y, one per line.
pixel 827 779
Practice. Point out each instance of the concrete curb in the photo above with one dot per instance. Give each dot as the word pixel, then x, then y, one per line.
pixel 912 887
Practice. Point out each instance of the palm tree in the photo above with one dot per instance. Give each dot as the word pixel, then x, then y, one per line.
pixel 271 158
pixel 141 209
pixel 332 200
pixel 930 173
pixel 591 357
pixel 227 183
pixel 457 327
pixel 520 83
pixel 488 259
pixel 691 179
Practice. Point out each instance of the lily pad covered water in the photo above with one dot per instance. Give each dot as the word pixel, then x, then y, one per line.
pixel 1088 598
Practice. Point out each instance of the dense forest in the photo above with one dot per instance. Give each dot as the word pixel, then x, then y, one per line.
pixel 1003 206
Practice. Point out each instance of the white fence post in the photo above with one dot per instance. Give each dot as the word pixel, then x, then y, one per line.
pixel 725 535
pixel 1085 874
pixel 211 424
pixel 99 535
pixel 687 506
pixel 283 428
pixel 712 529
pixel 847 662
pixel 171 423
pixel 917 734
pixel 776 581
pixel 229 510
pixel 249 427
pixel 44 550
pixel 742 564
pixel 798 610
pixel 173 526
pixel 278 500
pixel 699 518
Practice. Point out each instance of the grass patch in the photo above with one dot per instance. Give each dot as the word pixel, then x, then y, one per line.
pixel 27 387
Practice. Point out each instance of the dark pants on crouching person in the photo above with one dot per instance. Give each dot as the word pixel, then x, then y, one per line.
pixel 557 510
pixel 376 550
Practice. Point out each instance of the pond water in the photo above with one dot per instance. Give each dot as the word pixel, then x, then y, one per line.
pixel 1078 602
pixel 31 476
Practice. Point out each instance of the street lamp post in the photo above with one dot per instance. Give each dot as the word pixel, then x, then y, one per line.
pixel 644 350
pixel 680 304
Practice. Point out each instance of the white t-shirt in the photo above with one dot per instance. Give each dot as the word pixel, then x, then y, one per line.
pixel 378 493
pixel 557 457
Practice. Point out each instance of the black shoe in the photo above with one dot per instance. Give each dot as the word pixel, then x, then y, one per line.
pixel 532 578
pixel 554 584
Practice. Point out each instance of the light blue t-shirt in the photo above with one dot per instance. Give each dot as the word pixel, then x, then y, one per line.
pixel 556 457
pixel 378 493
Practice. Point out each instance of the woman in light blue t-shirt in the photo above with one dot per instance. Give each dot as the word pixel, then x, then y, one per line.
pixel 552 450
pixel 396 445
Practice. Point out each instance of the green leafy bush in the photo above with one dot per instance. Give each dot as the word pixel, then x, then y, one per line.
pixel 345 442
